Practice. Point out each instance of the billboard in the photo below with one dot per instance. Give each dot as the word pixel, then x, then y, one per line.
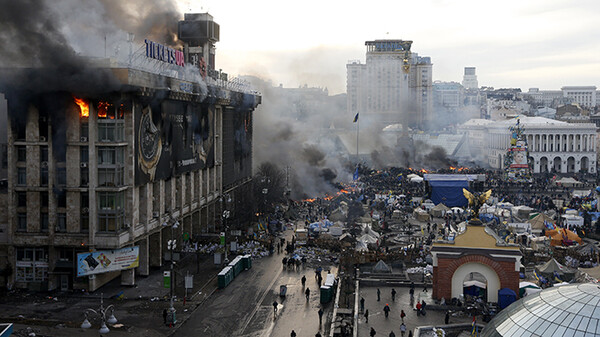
pixel 103 261
pixel 172 138
pixel 519 157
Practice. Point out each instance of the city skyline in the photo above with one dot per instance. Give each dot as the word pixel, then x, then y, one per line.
pixel 542 44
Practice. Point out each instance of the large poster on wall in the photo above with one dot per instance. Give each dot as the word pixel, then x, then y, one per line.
pixel 103 261
pixel 173 137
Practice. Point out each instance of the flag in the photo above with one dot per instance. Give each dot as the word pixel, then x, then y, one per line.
pixel 355 118
pixel 355 175
pixel 473 332
pixel 549 225
pixel 536 276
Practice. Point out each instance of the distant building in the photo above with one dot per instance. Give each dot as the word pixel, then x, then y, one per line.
pixel 543 98
pixel 585 96
pixel 470 79
pixel 554 146
pixel 394 86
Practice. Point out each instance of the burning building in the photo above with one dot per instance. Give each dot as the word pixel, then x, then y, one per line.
pixel 101 167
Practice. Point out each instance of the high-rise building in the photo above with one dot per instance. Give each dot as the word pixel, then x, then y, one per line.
pixel 470 78
pixel 393 86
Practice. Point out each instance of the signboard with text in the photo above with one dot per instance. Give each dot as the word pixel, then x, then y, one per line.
pixel 103 261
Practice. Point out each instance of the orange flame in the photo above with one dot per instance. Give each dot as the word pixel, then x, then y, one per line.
pixel 309 200
pixel 84 107
pixel 103 110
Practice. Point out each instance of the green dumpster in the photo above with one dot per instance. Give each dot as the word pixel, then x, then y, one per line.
pixel 326 294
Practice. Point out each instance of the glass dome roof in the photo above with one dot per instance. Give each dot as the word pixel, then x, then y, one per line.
pixel 568 310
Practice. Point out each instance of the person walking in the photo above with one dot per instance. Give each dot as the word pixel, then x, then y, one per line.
pixel 367 316
pixel 378 295
pixel 393 295
pixel 373 332
pixel 318 334
pixel 303 280
pixel 293 334
pixel 447 318
pixel 392 334
pixel 320 312
pixel 418 308
pixel 402 329
pixel 275 304
pixel 402 315
pixel 307 292
pixel 386 310
pixel 362 304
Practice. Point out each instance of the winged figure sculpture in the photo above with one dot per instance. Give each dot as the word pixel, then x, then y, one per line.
pixel 476 201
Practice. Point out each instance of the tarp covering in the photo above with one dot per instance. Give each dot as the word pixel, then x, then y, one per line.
pixel 562 236
pixel 449 192
pixel 505 297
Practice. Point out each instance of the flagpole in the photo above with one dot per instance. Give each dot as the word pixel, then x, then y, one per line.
pixel 357 128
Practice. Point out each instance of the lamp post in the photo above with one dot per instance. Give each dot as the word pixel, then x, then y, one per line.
pixel 101 312
pixel 225 200
pixel 171 244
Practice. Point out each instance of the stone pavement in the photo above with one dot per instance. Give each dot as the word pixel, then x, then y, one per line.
pixel 383 325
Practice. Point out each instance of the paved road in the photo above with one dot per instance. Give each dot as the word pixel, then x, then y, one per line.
pixel 245 307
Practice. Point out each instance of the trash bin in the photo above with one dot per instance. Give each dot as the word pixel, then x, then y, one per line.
pixel 282 290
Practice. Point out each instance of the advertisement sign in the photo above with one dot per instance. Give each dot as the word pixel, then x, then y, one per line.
pixel 167 279
pixel 103 261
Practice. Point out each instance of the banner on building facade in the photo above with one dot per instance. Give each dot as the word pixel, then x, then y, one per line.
pixel 103 261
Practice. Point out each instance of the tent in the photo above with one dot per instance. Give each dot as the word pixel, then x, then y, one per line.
pixel 416 180
pixel 537 222
pixel 562 237
pixel 420 214
pixel 506 296
pixel 439 210
pixel 527 288
pixel 381 267
pixel 552 268
pixel 412 175
pixel 448 191
pixel 457 210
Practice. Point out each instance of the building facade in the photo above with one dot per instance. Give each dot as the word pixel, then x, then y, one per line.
pixel 117 168
pixel 470 78
pixel 393 86
pixel 554 146
pixel 585 96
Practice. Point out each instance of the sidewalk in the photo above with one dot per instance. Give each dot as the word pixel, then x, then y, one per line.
pixel 139 311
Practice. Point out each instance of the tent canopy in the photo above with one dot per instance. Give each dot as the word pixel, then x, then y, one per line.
pixel 553 266
pixel 439 210
pixel 449 192
pixel 382 267
pixel 557 236
pixel 537 222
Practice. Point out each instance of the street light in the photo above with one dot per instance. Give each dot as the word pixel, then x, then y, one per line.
pixel 101 313
pixel 225 200
pixel 171 244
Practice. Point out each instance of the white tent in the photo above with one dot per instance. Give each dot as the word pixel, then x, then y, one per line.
pixel 457 210
pixel 475 283
pixel 416 179
pixel 412 175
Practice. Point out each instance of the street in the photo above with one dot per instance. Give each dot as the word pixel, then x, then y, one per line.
pixel 245 307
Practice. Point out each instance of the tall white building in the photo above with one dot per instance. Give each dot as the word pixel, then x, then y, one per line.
pixel 393 86
pixel 470 78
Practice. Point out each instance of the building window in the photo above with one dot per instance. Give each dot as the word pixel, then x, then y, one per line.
pixel 84 154
pixel 110 211
pixel 44 199
pixel 21 153
pixel 84 132
pixel 44 221
pixel 84 176
pixel 108 155
pixel 21 176
pixel 110 131
pixel 61 222
pixel 61 198
pixel 43 154
pixel 32 264
pixel 110 176
pixel 21 222
pixel 61 176
pixel 44 174
pixel 84 222
pixel 21 199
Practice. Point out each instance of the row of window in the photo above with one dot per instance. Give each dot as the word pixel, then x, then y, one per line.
pixel 111 212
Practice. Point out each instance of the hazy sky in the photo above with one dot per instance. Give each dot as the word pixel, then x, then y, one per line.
pixel 513 43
